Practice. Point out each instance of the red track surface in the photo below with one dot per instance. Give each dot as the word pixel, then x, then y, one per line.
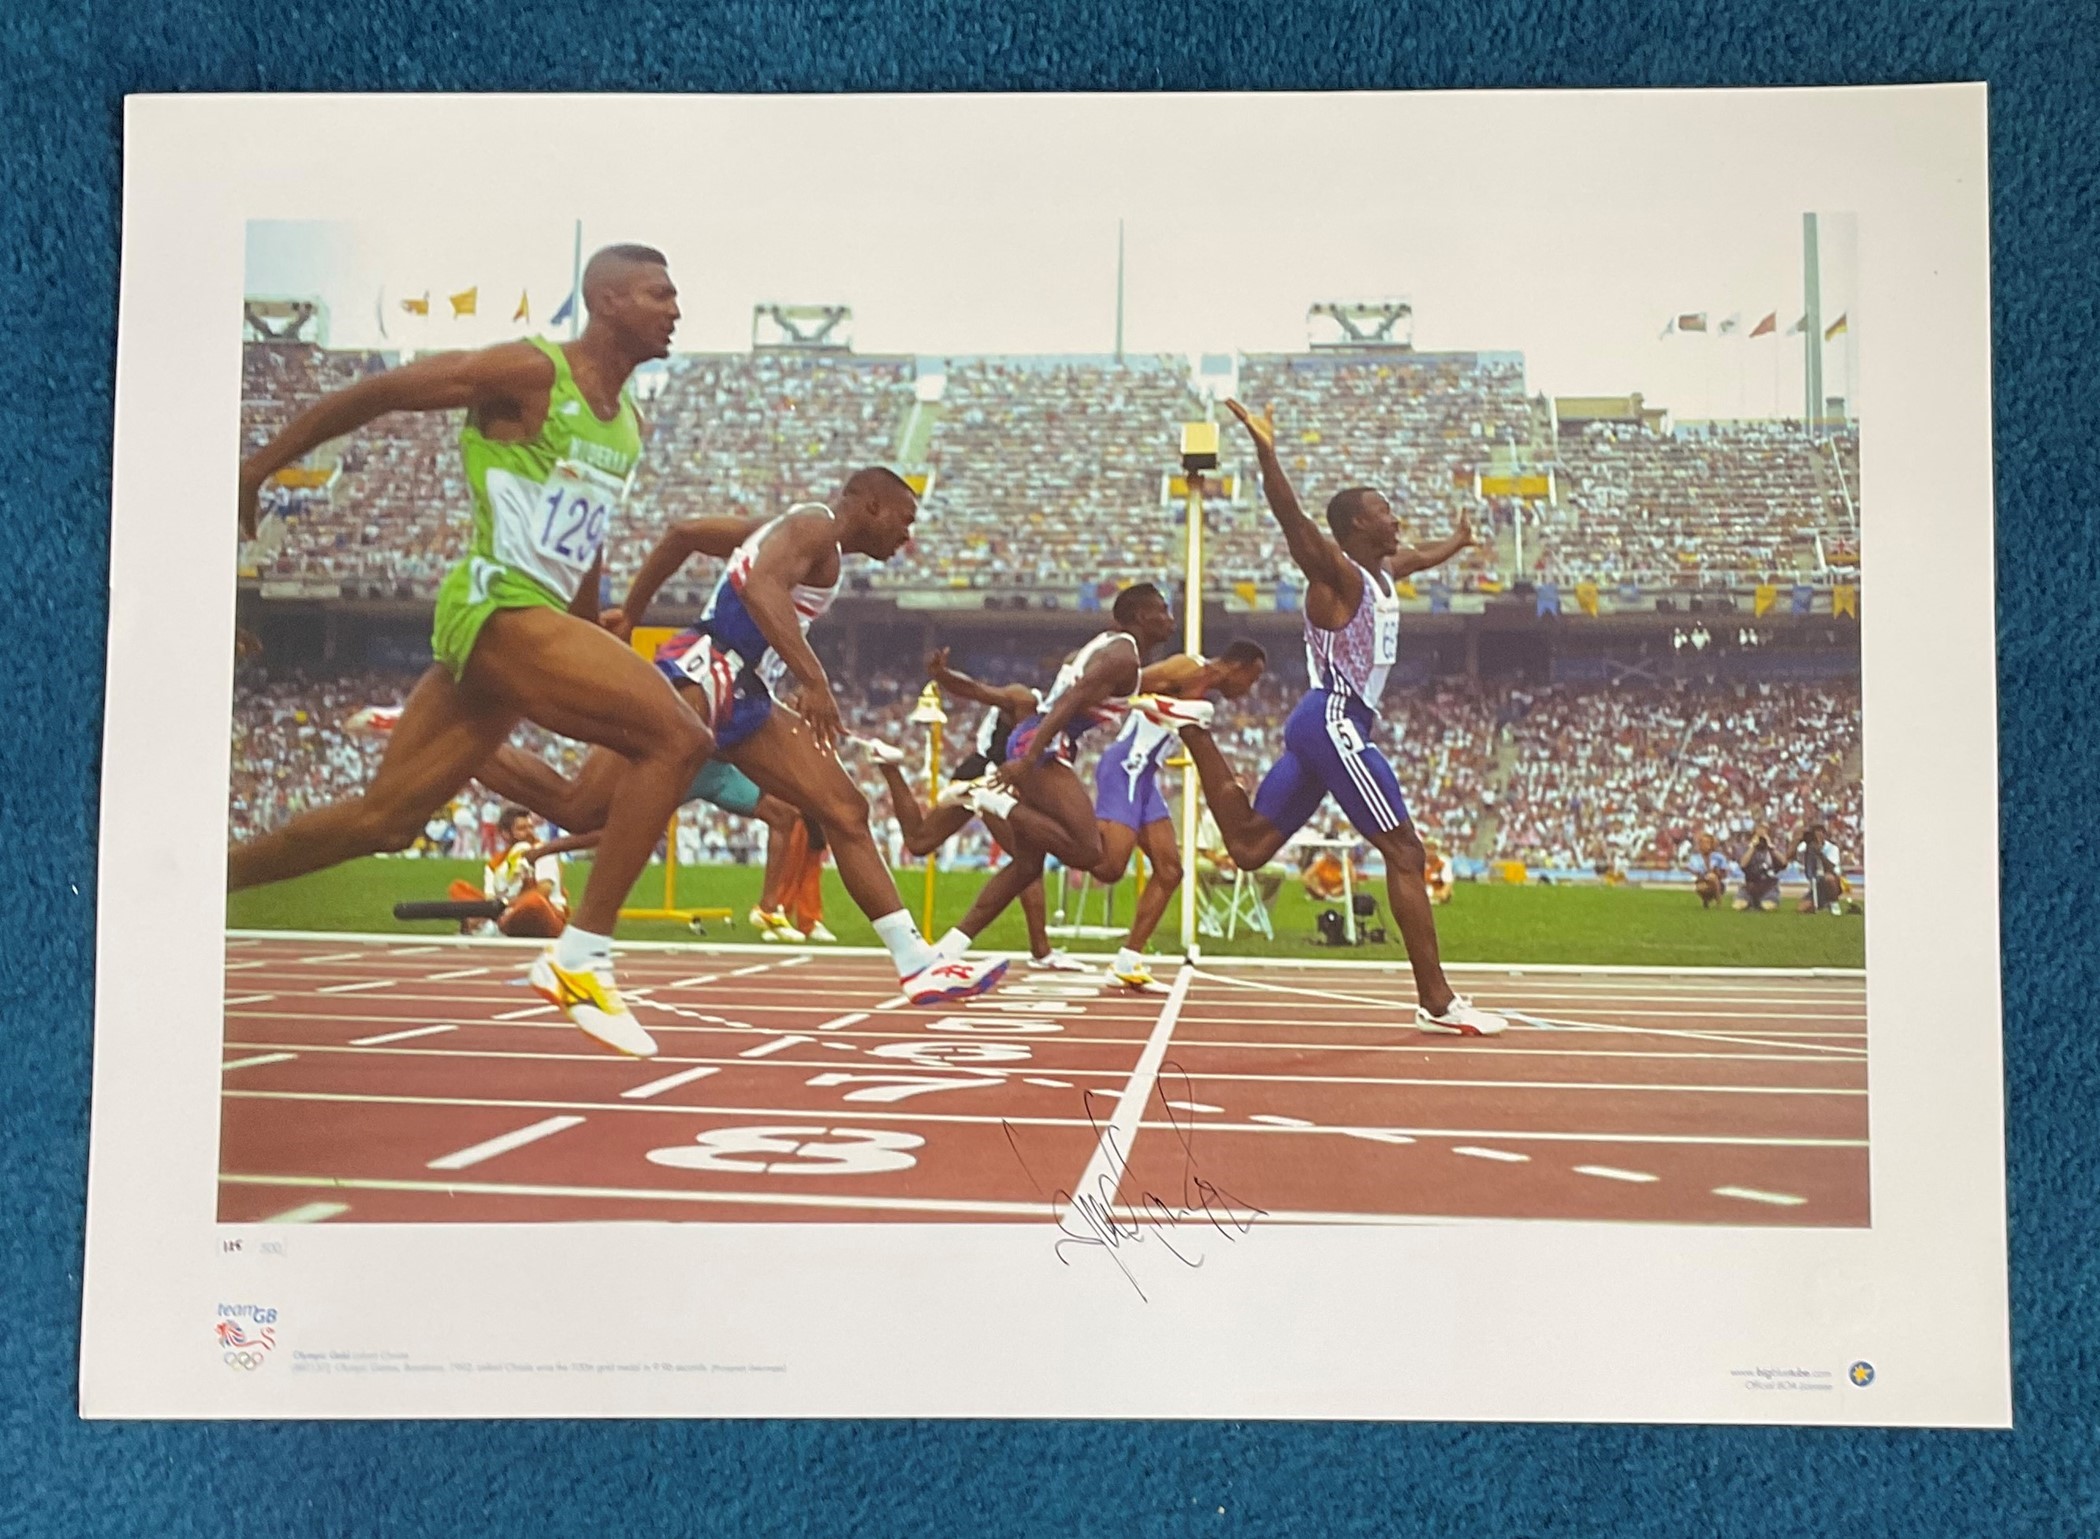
pixel 807 1090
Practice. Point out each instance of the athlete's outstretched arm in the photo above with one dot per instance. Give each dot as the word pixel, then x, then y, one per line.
pixel 1013 701
pixel 494 376
pixel 564 845
pixel 680 543
pixel 1312 549
pixel 1422 558
pixel 1111 671
pixel 1175 675
pixel 787 557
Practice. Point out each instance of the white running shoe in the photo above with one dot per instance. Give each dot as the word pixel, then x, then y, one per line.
pixel 957 793
pixel 773 927
pixel 592 1004
pixel 1137 977
pixel 818 932
pixel 1058 962
pixel 986 797
pixel 877 749
pixel 1461 1018
pixel 374 719
pixel 1170 712
pixel 942 981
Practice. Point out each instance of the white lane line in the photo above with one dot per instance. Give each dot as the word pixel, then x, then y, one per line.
pixel 358 988
pixel 333 956
pixel 1504 1135
pixel 844 1020
pixel 1281 1122
pixel 777 1045
pixel 892 1004
pixel 1751 1194
pixel 1048 1084
pixel 745 972
pixel 400 1036
pixel 840 1047
pixel 309 1213
pixel 1378 1135
pixel 241 967
pixel 668 1082
pixel 456 974
pixel 1612 1173
pixel 1112 1150
pixel 503 1144
pixel 249 999
pixel 1491 1154
pixel 527 1013
pixel 1194 1106
pixel 816 1200
pixel 689 983
pixel 249 1063
pixel 797 961
pixel 413 951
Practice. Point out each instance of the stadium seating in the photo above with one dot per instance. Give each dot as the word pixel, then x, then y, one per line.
pixel 1559 778
pixel 1050 472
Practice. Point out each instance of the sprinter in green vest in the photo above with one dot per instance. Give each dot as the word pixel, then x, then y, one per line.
pixel 550 444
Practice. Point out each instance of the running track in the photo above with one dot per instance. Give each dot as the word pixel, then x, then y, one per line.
pixel 390 1080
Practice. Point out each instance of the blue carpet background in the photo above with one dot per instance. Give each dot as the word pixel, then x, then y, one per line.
pixel 64 69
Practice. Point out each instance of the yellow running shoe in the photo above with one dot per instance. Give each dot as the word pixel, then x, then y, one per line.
pixel 773 927
pixel 592 1004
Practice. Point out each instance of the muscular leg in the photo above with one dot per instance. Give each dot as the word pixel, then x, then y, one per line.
pixel 1250 839
pixel 581 682
pixel 1409 896
pixel 1034 906
pixel 1156 839
pixel 1022 872
pixel 786 761
pixel 781 821
pixel 1057 817
pixel 1055 787
pixel 577 805
pixel 1117 841
pixel 924 832
pixel 444 732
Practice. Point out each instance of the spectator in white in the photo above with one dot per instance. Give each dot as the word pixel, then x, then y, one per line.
pixel 491 824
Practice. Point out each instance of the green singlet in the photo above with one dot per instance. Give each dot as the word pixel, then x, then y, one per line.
pixel 541 511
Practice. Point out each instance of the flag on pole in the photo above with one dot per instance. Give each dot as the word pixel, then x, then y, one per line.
pixel 417 306
pixel 1669 326
pixel 1835 329
pixel 524 310
pixel 1731 323
pixel 1798 327
pixel 1767 326
pixel 463 302
pixel 567 305
pixel 1692 322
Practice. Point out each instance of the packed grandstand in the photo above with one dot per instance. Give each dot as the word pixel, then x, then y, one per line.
pixel 1051 474
pixel 1049 485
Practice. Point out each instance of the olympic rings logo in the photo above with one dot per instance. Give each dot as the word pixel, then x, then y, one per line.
pixel 249 1361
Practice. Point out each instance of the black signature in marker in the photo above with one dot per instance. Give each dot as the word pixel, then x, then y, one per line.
pixel 1087 1220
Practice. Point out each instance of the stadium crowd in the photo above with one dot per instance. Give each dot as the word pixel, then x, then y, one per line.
pixel 1564 779
pixel 1051 474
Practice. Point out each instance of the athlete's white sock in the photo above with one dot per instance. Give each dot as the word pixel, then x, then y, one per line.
pixel 577 949
pixel 1128 961
pixel 908 948
pixel 951 946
